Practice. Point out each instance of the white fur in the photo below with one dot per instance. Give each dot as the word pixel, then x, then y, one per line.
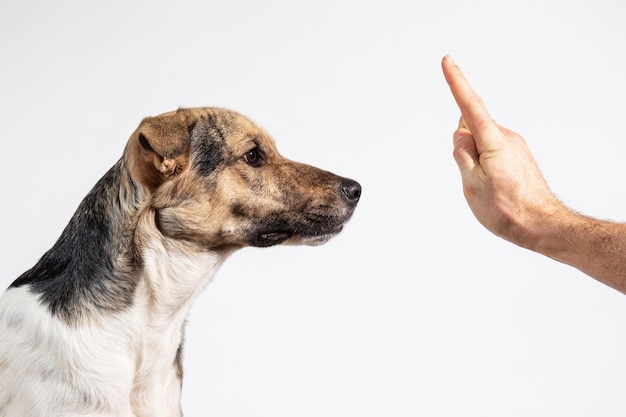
pixel 113 365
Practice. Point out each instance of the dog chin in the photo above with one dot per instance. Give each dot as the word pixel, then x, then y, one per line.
pixel 312 240
pixel 315 240
pixel 291 238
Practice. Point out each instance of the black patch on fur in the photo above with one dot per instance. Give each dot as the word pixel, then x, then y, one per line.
pixel 240 211
pixel 270 225
pixel 178 362
pixel 208 141
pixel 275 228
pixel 81 271
pixel 178 359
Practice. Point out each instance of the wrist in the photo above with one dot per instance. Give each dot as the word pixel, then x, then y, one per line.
pixel 549 229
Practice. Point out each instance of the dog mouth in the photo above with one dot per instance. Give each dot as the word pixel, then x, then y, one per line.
pixel 304 237
pixel 274 238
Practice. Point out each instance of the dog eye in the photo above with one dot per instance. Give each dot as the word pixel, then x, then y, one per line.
pixel 254 157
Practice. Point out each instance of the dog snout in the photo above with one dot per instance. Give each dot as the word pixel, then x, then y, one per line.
pixel 351 190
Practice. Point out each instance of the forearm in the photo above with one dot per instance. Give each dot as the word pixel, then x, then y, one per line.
pixel 596 247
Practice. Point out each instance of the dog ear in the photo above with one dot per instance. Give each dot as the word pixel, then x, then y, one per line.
pixel 160 147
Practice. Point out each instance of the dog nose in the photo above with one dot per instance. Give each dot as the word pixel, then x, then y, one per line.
pixel 351 190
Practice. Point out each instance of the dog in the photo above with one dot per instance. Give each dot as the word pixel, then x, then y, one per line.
pixel 96 327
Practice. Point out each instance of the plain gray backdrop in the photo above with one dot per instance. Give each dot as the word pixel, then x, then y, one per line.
pixel 415 309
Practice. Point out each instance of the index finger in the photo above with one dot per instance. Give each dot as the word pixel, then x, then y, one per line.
pixel 473 109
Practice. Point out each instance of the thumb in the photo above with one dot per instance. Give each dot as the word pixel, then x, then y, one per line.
pixel 465 151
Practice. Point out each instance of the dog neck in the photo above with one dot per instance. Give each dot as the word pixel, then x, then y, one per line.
pixel 175 271
pixel 174 274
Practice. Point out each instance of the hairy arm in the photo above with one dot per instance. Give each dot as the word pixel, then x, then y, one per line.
pixel 596 247
pixel 509 196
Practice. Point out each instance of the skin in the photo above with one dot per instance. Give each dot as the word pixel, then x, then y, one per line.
pixel 510 197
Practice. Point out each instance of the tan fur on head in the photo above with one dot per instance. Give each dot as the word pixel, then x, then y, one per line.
pixel 217 179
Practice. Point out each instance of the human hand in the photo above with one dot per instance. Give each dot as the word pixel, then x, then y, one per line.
pixel 501 180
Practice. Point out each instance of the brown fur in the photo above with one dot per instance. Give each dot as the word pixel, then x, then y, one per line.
pixel 227 207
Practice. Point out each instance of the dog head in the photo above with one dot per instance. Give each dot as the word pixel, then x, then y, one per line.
pixel 215 178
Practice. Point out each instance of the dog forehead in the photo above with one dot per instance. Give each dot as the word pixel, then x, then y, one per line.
pixel 231 130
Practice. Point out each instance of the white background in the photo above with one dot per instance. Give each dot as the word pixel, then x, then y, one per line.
pixel 415 309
